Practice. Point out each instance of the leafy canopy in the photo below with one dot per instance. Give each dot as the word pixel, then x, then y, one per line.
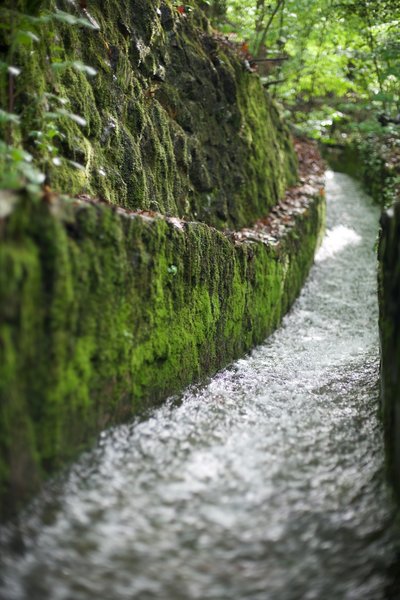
pixel 315 53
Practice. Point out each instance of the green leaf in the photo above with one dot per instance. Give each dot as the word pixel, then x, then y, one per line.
pixel 76 64
pixel 26 37
pixel 76 165
pixel 65 17
pixel 32 174
pixel 79 66
pixel 36 134
pixel 58 114
pixel 56 98
pixel 43 19
pixel 76 118
pixel 19 155
pixel 7 117
pixel 59 65
pixel 52 131
pixel 11 180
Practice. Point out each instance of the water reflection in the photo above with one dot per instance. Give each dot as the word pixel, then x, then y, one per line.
pixel 265 484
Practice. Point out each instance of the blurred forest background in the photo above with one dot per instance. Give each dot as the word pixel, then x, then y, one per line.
pixel 334 64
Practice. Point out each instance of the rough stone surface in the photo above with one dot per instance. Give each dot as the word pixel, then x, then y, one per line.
pixel 374 161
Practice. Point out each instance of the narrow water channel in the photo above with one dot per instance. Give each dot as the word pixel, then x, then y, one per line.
pixel 264 484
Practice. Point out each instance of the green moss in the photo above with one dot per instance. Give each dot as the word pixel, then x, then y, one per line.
pixel 373 161
pixel 20 284
pixel 174 122
pixel 103 313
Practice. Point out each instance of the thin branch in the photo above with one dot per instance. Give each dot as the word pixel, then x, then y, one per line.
pixel 274 82
pixel 278 59
pixel 268 25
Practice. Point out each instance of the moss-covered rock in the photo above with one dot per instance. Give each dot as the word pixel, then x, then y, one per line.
pixel 174 121
pixel 103 311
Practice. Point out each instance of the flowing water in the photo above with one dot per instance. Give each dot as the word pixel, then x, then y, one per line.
pixel 264 484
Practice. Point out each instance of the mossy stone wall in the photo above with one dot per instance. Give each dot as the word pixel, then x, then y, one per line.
pixel 175 123
pixel 369 161
pixel 103 311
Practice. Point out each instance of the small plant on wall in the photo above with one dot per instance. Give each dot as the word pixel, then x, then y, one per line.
pixel 32 123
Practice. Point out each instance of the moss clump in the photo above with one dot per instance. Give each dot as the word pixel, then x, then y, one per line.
pixel 104 311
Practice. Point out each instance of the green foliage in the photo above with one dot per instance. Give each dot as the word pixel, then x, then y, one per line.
pixel 27 152
pixel 328 49
pixel 74 64
pixel 17 169
pixel 380 158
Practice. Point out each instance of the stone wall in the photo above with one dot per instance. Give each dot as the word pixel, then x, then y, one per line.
pixel 175 122
pixel 372 163
pixel 103 311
